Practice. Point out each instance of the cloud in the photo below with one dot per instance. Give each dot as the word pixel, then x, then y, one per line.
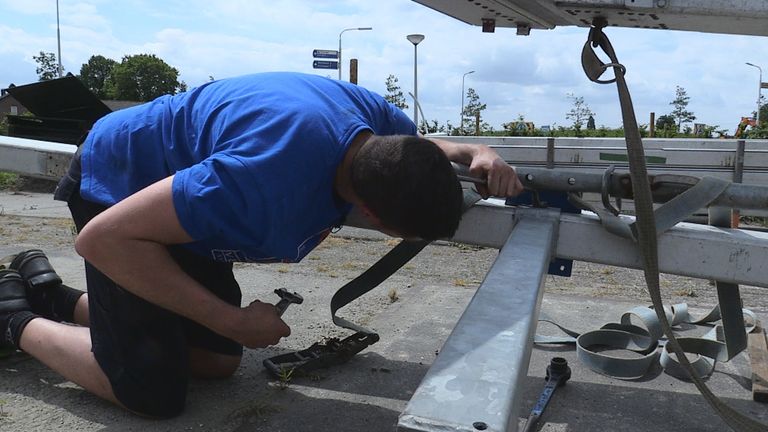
pixel 514 75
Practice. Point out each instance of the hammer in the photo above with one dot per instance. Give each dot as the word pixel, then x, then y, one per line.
pixel 286 298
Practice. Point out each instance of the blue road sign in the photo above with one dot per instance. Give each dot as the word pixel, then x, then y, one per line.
pixel 323 64
pixel 329 54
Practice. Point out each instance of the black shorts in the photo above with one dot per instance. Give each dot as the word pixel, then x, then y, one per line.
pixel 143 348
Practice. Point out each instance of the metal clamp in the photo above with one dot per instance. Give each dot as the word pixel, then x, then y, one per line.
pixel 321 354
pixel 605 193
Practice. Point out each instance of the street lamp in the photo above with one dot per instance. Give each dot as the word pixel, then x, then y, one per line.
pixel 342 32
pixel 58 38
pixel 415 39
pixel 759 92
pixel 462 100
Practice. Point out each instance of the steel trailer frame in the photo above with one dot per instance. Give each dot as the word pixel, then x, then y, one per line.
pixel 472 384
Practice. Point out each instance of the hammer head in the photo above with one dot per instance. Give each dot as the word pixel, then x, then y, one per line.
pixel 288 296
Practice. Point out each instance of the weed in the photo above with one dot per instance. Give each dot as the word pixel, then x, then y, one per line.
pixel 349 265
pixel 686 292
pixel 392 294
pixel 8 180
pixel 3 412
pixel 256 409
pixel 284 378
pixel 460 282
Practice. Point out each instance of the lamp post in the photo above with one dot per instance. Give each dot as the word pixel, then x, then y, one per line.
pixel 58 39
pixel 342 32
pixel 759 91
pixel 462 100
pixel 415 39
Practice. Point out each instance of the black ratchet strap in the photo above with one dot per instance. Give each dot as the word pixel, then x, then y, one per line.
pixel 336 351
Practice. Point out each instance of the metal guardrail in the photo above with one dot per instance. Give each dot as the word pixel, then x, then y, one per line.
pixel 41 159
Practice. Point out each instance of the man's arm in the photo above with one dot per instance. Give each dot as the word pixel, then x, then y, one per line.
pixel 484 162
pixel 128 243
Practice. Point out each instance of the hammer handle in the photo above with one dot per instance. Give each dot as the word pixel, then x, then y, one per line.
pixel 282 305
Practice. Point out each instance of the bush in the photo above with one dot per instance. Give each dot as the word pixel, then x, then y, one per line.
pixel 8 180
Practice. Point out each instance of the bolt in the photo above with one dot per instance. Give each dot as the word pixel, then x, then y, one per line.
pixel 480 425
pixel 571 181
pixel 529 177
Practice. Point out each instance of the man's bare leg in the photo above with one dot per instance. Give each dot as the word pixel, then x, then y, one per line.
pixel 80 315
pixel 67 350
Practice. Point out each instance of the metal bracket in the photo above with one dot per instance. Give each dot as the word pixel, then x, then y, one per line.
pixel 544 199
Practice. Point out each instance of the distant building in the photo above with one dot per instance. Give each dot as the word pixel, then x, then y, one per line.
pixel 9 105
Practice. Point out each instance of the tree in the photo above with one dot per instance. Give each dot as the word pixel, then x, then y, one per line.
pixel 95 73
pixel 666 122
pixel 666 126
pixel 760 131
pixel 591 123
pixel 47 66
pixel 142 77
pixel 579 113
pixel 394 93
pixel 680 112
pixel 433 126
pixel 472 110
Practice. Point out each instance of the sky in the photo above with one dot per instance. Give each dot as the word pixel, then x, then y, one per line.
pixel 514 75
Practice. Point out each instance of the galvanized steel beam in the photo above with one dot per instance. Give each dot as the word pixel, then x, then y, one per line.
pixel 473 383
pixel 699 251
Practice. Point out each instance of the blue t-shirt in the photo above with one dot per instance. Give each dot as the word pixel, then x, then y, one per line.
pixel 254 159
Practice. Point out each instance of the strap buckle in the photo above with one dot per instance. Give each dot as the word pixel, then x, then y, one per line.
pixel 320 355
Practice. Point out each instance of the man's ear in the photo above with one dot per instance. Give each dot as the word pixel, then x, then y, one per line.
pixel 369 215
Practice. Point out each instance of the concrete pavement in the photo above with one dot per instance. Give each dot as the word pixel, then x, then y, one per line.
pixel 369 392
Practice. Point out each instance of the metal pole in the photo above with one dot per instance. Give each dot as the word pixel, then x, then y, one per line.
pixel 462 100
pixel 415 85
pixel 342 32
pixel 415 39
pixel 759 92
pixel 58 39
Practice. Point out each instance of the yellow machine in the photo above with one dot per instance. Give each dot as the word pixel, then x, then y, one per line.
pixel 741 129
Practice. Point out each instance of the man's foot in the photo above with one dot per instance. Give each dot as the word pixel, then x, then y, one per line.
pixel 15 311
pixel 35 268
pixel 46 294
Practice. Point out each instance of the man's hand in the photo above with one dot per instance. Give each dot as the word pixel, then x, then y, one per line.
pixel 258 326
pixel 485 163
pixel 501 179
pixel 128 242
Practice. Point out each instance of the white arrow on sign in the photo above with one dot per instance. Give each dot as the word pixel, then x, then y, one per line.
pixel 329 54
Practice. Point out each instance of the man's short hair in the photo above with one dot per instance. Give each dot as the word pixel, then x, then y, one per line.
pixel 409 184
